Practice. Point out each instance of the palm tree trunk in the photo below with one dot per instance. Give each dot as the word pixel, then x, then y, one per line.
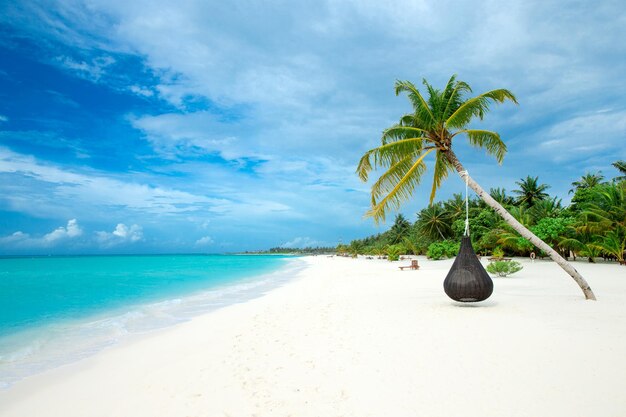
pixel 491 202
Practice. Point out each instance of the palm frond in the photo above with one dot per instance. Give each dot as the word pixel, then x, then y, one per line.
pixel 477 106
pixel 391 177
pixel 419 104
pixel 621 167
pixel 453 93
pixel 401 191
pixel 440 173
pixel 488 140
pixel 435 101
pixel 399 132
pixel 388 155
pixel 571 243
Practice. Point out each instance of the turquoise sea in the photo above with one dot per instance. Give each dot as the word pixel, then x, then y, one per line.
pixel 55 310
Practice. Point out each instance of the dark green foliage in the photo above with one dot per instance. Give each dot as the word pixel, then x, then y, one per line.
pixel 504 268
pixel 399 230
pixel 443 250
pixel 434 222
pixel 621 167
pixel 550 229
pixel 587 181
pixel 394 252
pixel 593 225
pixel 530 191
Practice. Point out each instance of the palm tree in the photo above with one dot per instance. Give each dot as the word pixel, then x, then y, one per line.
pixel 546 208
pixel 530 191
pixel 587 181
pixel 499 194
pixel 455 207
pixel 607 213
pixel 434 222
pixel 399 230
pixel 430 129
pixel 621 167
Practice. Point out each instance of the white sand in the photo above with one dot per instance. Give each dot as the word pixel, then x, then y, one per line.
pixel 361 338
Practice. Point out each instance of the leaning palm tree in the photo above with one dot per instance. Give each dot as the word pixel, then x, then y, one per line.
pixel 430 129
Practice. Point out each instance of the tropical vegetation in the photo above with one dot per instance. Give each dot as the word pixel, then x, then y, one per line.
pixel 592 226
pixel 435 121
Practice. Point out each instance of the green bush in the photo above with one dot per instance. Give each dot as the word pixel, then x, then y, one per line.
pixel 504 268
pixel 394 252
pixel 442 250
pixel 498 252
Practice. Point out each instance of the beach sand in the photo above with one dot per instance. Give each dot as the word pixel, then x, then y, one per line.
pixel 361 338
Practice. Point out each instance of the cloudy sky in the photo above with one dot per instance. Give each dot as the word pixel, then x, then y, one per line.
pixel 215 126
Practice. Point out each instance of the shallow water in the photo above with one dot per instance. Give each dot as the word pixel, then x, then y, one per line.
pixel 55 310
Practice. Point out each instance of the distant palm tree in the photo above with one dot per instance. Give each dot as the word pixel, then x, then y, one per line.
pixel 455 207
pixel 607 213
pixel 546 208
pixel 621 167
pixel 530 191
pixel 499 194
pixel 434 222
pixel 587 181
pixel 430 129
pixel 399 230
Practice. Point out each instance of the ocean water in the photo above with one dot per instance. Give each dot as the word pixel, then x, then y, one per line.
pixel 55 310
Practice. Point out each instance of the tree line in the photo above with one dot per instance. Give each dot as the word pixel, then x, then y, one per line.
pixel 593 225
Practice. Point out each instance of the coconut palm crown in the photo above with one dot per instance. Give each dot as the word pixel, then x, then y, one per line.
pixel 530 191
pixel 431 129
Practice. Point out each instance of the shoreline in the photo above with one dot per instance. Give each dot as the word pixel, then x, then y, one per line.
pixel 358 337
pixel 33 350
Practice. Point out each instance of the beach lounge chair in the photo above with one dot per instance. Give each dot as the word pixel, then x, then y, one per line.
pixel 413 265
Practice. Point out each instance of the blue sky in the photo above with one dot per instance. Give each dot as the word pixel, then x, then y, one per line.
pixel 205 126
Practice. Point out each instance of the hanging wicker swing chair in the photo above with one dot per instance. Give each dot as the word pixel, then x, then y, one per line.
pixel 467 281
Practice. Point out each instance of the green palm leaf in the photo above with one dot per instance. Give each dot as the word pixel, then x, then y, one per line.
pixel 454 91
pixel 388 155
pixel 477 107
pixel 401 191
pixel 440 173
pixel 419 104
pixel 399 132
pixel 488 140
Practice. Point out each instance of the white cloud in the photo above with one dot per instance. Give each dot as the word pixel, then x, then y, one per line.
pixel 121 234
pixel 141 91
pixel 93 70
pixel 71 230
pixel 587 134
pixel 301 242
pixel 59 235
pixel 205 241
pixel 15 238
pixel 3 118
pixel 93 189
pixel 194 133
